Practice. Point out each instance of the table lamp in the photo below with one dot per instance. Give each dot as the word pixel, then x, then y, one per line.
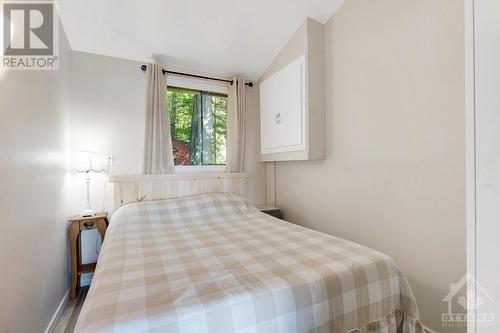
pixel 88 162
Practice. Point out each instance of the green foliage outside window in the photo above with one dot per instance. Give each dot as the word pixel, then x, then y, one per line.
pixel 198 122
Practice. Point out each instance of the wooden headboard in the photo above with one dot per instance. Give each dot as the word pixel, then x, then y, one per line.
pixel 133 188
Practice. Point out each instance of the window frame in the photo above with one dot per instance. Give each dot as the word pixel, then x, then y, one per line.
pixel 200 168
pixel 198 85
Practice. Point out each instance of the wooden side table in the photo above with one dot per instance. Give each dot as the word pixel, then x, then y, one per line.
pixel 78 224
pixel 271 210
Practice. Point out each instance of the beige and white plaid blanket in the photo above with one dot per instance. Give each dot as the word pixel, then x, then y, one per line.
pixel 214 263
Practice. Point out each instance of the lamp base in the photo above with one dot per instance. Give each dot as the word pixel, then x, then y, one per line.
pixel 88 212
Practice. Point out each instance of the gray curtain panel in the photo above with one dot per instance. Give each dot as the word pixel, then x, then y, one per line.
pixel 208 125
pixel 196 139
pixel 158 154
pixel 236 125
pixel 202 138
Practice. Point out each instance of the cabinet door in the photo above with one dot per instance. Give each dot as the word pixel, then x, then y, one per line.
pixel 283 109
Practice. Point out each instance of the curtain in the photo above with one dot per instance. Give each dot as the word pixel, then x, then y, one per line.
pixel 158 155
pixel 236 124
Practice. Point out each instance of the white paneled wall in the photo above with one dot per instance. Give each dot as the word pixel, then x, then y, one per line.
pixel 129 189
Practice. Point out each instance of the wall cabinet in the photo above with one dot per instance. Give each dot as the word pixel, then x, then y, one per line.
pixel 292 115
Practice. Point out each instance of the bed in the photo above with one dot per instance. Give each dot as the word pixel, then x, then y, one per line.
pixel 214 263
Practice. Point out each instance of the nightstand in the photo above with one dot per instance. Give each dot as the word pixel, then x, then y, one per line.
pixel 78 224
pixel 271 210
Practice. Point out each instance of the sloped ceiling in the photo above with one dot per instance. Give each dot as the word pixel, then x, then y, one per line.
pixel 224 37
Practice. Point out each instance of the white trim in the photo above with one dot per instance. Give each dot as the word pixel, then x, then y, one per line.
pixel 197 84
pixel 53 321
pixel 199 168
pixel 470 157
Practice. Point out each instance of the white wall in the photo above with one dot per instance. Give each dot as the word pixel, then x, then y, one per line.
pixel 394 176
pixel 255 169
pixel 108 116
pixel 34 191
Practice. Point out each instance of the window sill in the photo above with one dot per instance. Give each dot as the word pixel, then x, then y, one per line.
pixel 199 168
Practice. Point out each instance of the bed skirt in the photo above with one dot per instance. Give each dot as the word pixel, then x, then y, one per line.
pixel 396 322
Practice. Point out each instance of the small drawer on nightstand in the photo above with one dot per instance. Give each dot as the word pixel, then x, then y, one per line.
pixel 87 225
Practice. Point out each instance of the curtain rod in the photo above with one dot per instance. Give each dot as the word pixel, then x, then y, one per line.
pixel 144 67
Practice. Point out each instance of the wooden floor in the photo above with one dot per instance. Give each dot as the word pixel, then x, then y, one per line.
pixel 69 315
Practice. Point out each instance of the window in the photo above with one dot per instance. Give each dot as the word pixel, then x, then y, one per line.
pixel 198 123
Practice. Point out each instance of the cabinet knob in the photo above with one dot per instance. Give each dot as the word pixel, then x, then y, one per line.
pixel 278 118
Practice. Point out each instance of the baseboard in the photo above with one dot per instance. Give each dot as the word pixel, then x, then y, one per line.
pixel 51 326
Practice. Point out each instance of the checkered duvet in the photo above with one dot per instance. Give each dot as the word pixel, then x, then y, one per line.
pixel 214 263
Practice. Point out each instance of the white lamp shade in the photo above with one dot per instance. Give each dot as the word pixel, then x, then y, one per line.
pixel 88 161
